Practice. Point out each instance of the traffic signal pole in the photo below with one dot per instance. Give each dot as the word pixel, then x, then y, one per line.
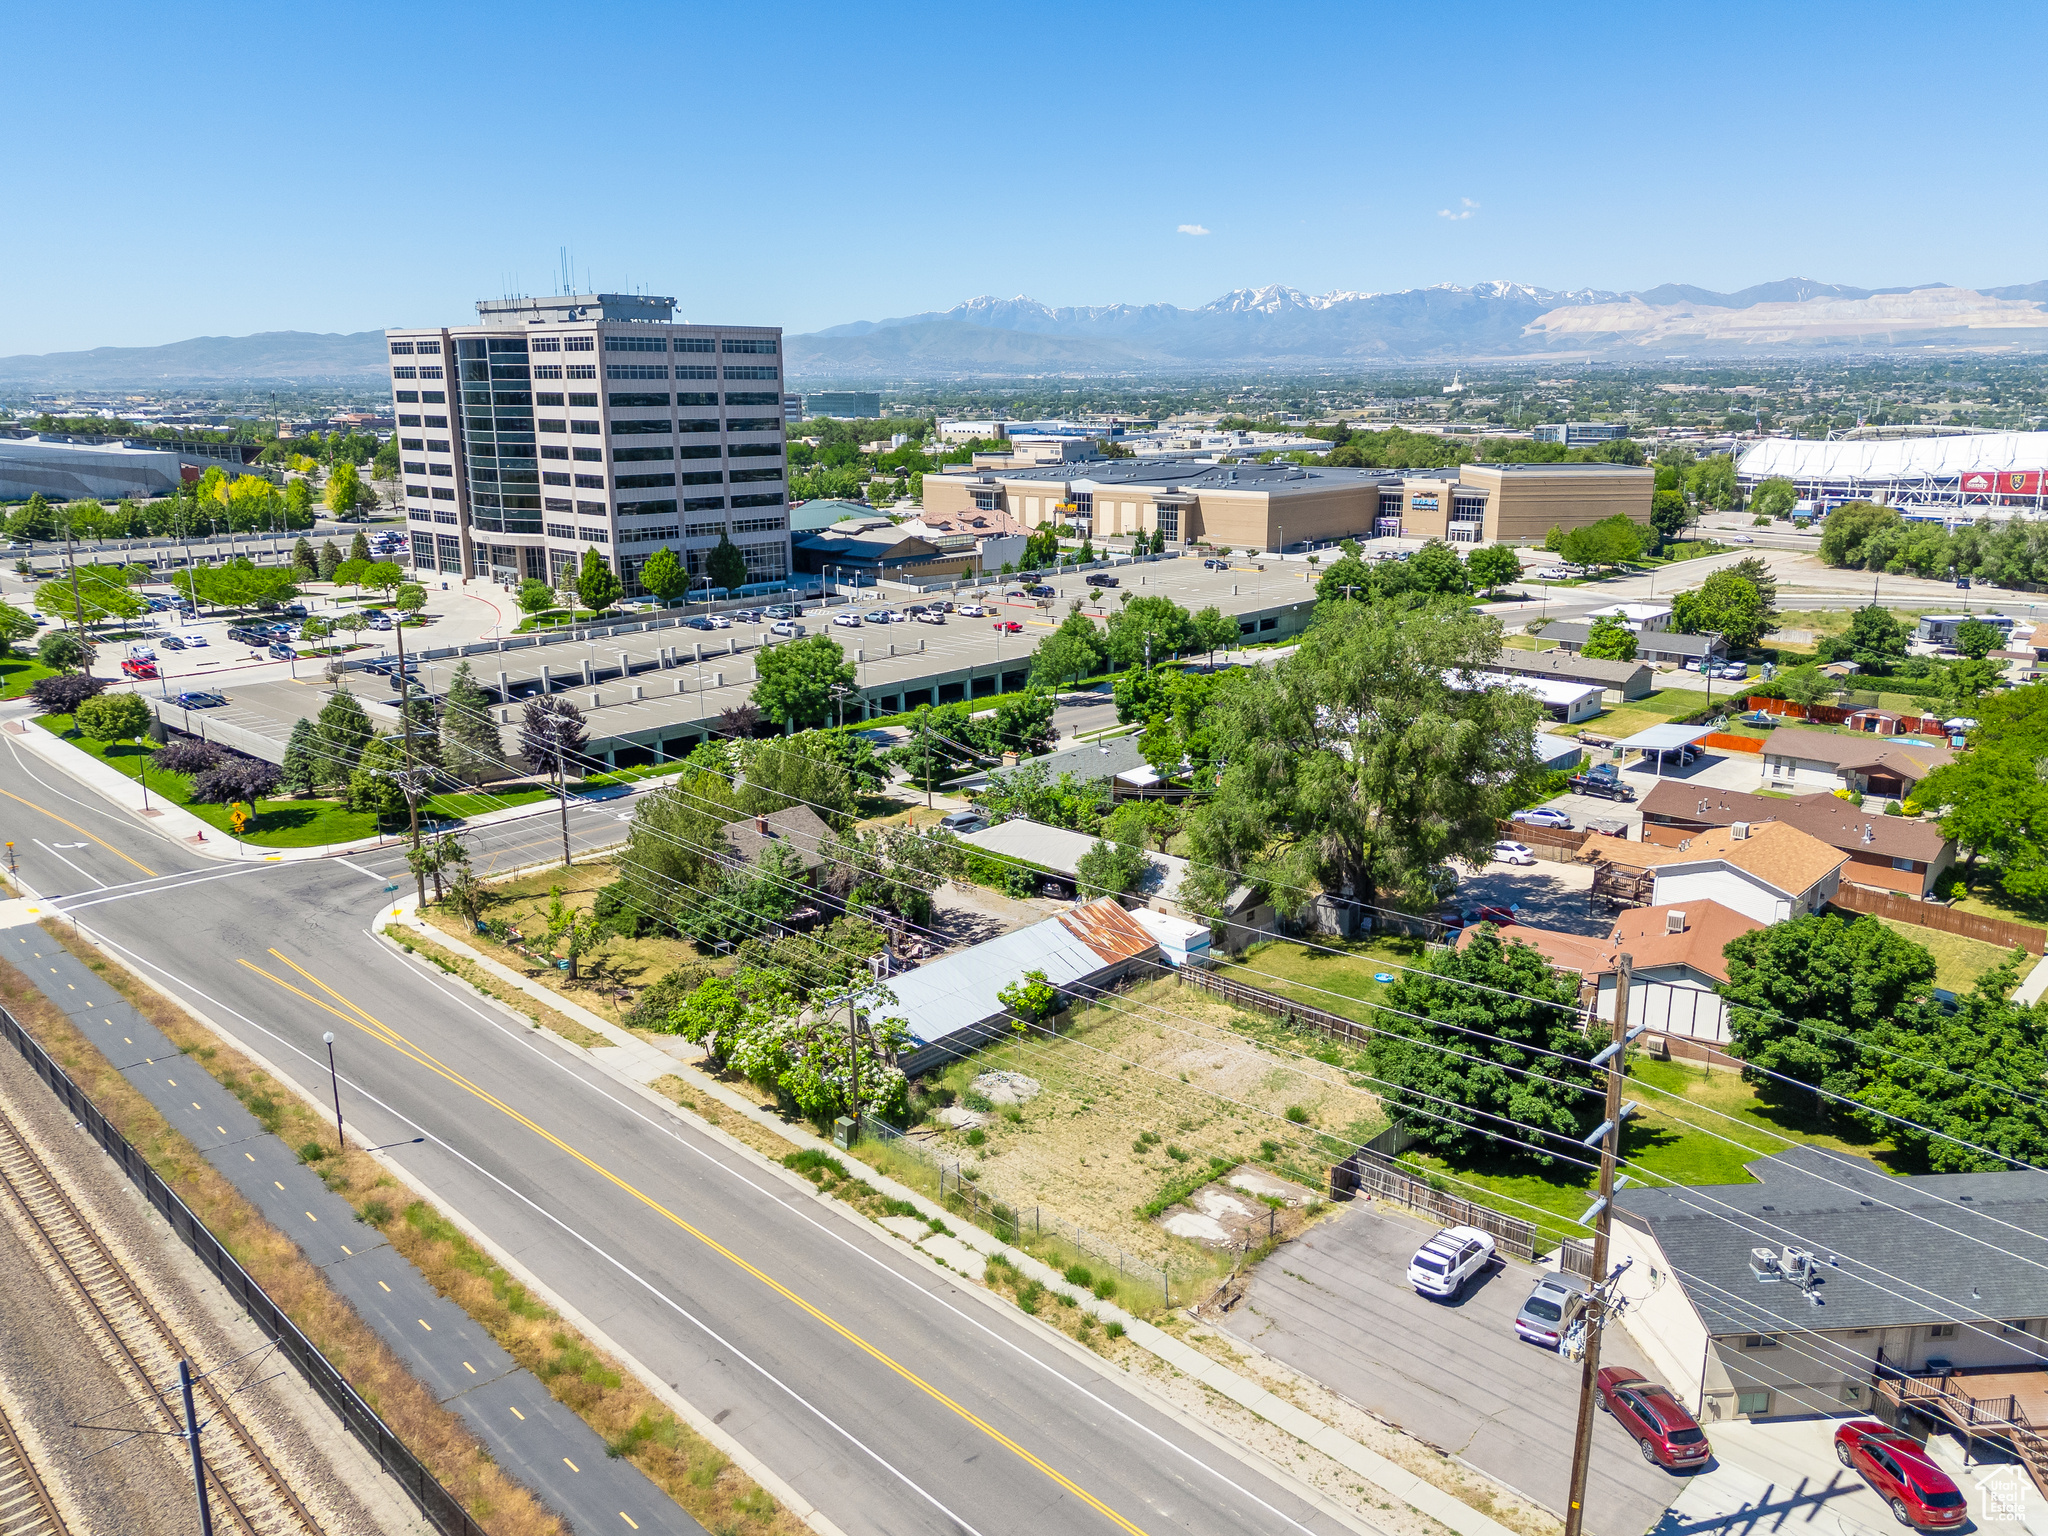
pixel 1595 1313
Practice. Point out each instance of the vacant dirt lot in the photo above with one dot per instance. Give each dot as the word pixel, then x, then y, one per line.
pixel 1138 1096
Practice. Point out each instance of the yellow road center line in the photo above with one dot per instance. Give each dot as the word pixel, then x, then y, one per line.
pixel 74 826
pixel 369 1024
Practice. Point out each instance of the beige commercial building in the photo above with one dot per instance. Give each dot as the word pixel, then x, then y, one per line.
pixel 1279 506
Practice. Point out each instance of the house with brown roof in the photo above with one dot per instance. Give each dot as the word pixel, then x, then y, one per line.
pixel 1677 968
pixel 798 828
pixel 1885 853
pixel 1768 871
pixel 1624 679
pixel 1891 766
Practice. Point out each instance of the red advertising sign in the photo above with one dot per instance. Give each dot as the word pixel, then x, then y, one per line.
pixel 1981 481
pixel 2006 482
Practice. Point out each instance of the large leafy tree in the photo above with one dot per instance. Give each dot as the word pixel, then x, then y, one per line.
pixel 664 576
pixel 1355 766
pixel 1148 628
pixel 1773 498
pixel 345 491
pixel 303 770
pixel 1494 566
pixel 1728 604
pixel 343 730
pixel 89 594
pixel 470 746
pixel 795 681
pixel 1023 722
pixel 1875 641
pixel 725 565
pixel 1611 541
pixel 1803 994
pixel 597 587
pixel 1482 1053
pixel 1993 800
pixel 674 839
pixel 1977 640
pixel 15 626
pixel 1853 530
pixel 1073 650
pixel 784 771
pixel 1610 640
pixel 1435 568
pixel 1669 513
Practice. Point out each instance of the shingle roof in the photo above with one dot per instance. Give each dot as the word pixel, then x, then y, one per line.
pixel 1088 760
pixel 1774 851
pixel 1834 822
pixel 1056 848
pixel 800 827
pixel 1570 665
pixel 1663 642
pixel 1889 754
pixel 1641 931
pixel 1990 1263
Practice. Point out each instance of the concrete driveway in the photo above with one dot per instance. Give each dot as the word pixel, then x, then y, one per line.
pixel 1336 1306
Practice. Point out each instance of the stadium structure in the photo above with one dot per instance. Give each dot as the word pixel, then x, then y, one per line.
pixel 1952 480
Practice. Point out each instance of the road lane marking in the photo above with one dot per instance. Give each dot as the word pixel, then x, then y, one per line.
pixel 53 853
pixel 369 1024
pixel 74 826
pixel 359 869
pixel 570 1465
pixel 424 1324
pixel 517 1414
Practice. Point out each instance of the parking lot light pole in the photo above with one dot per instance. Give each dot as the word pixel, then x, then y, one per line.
pixel 1595 1314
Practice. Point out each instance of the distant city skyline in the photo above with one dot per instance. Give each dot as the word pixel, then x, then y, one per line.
pixel 811 166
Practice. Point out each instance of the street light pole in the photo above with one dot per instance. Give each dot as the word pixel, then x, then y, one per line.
pixel 334 1082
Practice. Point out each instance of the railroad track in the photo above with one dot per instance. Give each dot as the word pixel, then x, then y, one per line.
pixel 247 1494
pixel 25 1505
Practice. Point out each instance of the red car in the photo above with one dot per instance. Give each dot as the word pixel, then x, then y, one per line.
pixel 1664 1432
pixel 139 669
pixel 1008 627
pixel 1895 1466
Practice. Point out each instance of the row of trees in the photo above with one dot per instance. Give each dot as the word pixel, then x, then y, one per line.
pixel 1862 536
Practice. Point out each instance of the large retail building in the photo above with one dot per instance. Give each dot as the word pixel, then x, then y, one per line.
pixel 1282 506
pixel 562 424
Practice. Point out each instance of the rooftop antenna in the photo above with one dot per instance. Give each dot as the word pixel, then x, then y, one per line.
pixel 565 271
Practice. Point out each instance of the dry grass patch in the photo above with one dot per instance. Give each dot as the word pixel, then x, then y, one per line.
pixel 467 970
pixel 631 1420
pixel 1143 1095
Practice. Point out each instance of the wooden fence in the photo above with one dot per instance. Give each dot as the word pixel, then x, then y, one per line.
pixel 1828 714
pixel 1560 845
pixel 1943 919
pixel 1374 1174
pixel 1286 1009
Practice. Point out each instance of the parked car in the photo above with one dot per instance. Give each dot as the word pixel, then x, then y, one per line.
pixel 963 821
pixel 789 629
pixel 1499 916
pixel 783 611
pixel 1513 853
pixel 700 622
pixel 171 643
pixel 1900 1472
pixel 381 622
pixel 195 642
pixel 1101 579
pixel 1553 573
pixel 1215 565
pixel 281 650
pixel 750 615
pixel 137 668
pixel 1551 1306
pixel 718 621
pixel 1008 627
pixel 877 616
pixel 1442 1265
pixel 1666 1434
pixel 972 611
pixel 141 653
pixel 1734 670
pixel 1041 590
pixel 200 700
pixel 849 620
pixel 1543 816
pixel 243 634
pixel 930 616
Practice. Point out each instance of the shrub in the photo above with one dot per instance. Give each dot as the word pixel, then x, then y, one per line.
pixel 976 1137
pixel 63 695
pixel 375 1212
pixel 1077 1274
pixel 1105 1288
pixel 1298 1114
pixel 616 910
pixel 1114 1329
pixel 312 1152
pixel 187 756
pixel 1269 1150
pixel 1909 807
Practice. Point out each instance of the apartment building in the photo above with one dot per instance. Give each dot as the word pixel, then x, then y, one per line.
pixel 556 425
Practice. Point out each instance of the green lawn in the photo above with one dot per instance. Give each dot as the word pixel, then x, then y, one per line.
pixel 1658 709
pixel 288 823
pixel 19 673
pixel 1958 961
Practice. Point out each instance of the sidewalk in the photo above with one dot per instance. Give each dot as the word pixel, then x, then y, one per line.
pixel 640 1063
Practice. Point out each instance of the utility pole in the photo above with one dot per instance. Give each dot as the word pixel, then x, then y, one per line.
pixel 334 1081
pixel 1614 1055
pixel 412 785
pixel 192 1439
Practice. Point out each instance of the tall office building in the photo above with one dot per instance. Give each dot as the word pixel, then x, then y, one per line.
pixel 555 425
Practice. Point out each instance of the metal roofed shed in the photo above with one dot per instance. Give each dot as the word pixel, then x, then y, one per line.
pixel 1060 850
pixel 952 1008
pixel 1664 738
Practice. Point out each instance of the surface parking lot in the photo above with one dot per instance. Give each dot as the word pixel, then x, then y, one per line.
pixel 1336 1305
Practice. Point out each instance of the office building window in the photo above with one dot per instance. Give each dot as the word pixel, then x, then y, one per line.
pixel 444 493
pixel 507 344
pixel 647 509
pixel 698 371
pixel 756 450
pixel 985 501
pixel 554 477
pixel 589 400
pixel 624 401
pixel 696 398
pixel 760 346
pixel 417 445
pixel 427 348
pixel 758 525
pixel 695 344
pixel 754 424
pixel 561 531
pixel 585 428
pixel 636 343
pixel 419 514
pixel 641 482
pixel 437 445
pixel 408 421
pixel 553 451
pixel 556 503
pixel 552 424
pixel 408 396
pixel 416 469
pixel 580 371
pixel 654 535
pixel 590 509
pixel 401 349
pixel 547 370
pixel 515 373
pixel 547 397
pixel 543 344
pixel 704 504
pixel 633 455
pixel 754 397
pixel 658 427
pixel 405 373
pixel 590 482
pixel 443 469
pixel 576 344
pixel 1169 523
pixel 635 371
pixel 703 530
pixel 438 422
pixel 772 499
pixel 596 455
pixel 433 397
pixel 741 476
pixel 594 535
pixel 430 373
pixel 443 517
pixel 416 490
pixel 423 551
pixel 753 371
pixel 703 477
pixel 696 424
pixel 765 562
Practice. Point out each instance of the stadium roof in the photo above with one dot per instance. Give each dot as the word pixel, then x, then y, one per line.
pixel 1903 458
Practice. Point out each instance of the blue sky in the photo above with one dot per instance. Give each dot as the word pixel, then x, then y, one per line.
pixel 184 170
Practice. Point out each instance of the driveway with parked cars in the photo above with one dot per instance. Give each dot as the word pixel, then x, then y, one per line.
pixel 1337 1305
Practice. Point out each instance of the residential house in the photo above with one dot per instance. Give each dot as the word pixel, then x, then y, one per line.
pixel 1795 760
pixel 1566 703
pixel 1767 871
pixel 953 1005
pixel 1112 761
pixel 1784 1297
pixel 1643 618
pixel 799 828
pixel 1624 679
pixel 1677 964
pixel 1885 853
pixel 1660 647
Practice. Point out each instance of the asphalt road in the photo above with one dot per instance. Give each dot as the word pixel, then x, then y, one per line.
pixel 1337 1305
pixel 885 1395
